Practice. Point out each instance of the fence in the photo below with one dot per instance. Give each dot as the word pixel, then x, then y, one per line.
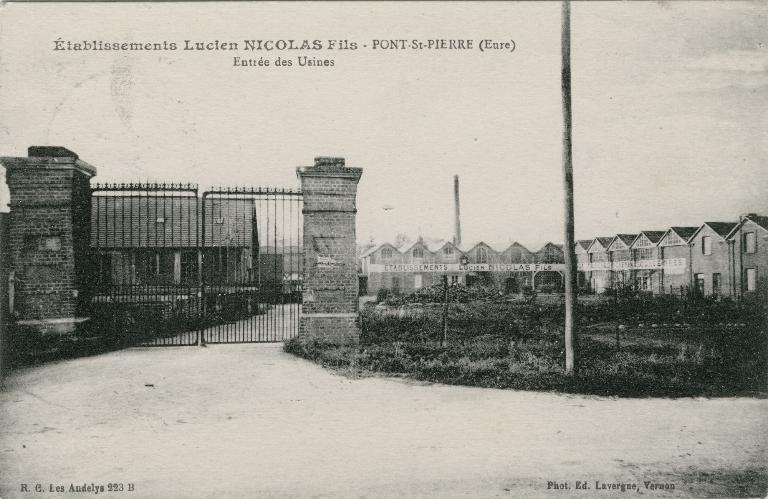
pixel 173 266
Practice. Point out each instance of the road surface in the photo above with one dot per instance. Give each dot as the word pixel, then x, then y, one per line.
pixel 252 421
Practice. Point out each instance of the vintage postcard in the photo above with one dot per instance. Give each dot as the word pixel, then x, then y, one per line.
pixel 383 249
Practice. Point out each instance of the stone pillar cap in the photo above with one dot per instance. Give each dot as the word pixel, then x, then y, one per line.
pixel 329 167
pixel 50 152
pixel 329 161
pixel 49 157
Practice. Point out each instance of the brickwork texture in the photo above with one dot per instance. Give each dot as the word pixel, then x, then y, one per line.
pixel 330 303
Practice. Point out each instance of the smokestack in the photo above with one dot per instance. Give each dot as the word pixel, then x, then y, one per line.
pixel 457 212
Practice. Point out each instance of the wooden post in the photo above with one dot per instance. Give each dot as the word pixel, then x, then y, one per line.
pixel 568 247
pixel 444 341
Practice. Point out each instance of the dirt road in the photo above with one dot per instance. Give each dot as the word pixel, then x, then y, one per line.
pixel 252 421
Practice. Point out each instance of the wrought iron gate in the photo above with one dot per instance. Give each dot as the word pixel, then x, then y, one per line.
pixel 172 267
pixel 252 260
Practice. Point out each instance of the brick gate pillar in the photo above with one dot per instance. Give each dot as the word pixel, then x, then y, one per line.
pixel 330 304
pixel 49 237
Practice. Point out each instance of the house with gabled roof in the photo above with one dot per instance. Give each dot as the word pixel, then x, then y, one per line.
pixel 517 253
pixel 581 248
pixel 621 259
pixel 749 251
pixel 155 240
pixel 421 252
pixel 381 254
pixel 513 282
pixel 675 254
pixel 647 271
pixel 711 262
pixel 480 252
pixel 550 280
pixel 599 271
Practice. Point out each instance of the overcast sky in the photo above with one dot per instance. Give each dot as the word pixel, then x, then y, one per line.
pixel 670 108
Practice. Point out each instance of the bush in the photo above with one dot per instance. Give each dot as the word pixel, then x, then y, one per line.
pixel 382 295
pixel 519 345
pixel 436 294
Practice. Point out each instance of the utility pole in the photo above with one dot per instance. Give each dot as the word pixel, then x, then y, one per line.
pixel 568 246
pixel 444 340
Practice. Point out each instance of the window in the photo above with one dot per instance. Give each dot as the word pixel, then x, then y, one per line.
pixel 750 242
pixel 418 252
pixel 482 255
pixel 386 253
pixel 751 279
pixel 672 239
pixel 164 262
pixel 706 245
pixel 160 220
pixel 418 281
pixel 454 280
pixel 600 256
pixel 448 250
pixel 644 254
pixel 716 282
pixel 622 255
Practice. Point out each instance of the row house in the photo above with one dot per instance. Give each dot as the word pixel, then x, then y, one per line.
pixel 620 255
pixel 749 254
pixel 645 256
pixel 675 254
pixel 710 259
pixel 598 267
pixel 714 259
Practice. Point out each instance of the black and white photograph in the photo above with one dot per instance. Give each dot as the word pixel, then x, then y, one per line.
pixel 428 249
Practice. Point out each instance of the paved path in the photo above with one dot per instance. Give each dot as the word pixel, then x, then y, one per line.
pixel 279 323
pixel 252 421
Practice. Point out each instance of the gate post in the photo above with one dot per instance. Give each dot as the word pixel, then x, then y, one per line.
pixel 330 297
pixel 49 237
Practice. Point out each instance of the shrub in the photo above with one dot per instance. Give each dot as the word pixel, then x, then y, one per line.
pixel 519 345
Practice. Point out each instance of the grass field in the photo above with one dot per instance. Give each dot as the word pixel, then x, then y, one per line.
pixel 653 347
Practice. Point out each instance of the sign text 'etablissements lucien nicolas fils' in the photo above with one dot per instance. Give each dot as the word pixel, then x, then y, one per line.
pixel 472 267
pixel 289 52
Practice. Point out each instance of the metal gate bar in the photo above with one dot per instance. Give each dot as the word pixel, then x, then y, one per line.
pixel 139 234
pixel 251 294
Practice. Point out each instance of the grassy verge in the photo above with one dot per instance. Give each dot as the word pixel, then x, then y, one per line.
pixel 499 345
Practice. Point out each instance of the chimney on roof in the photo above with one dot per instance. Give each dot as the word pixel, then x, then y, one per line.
pixel 456 213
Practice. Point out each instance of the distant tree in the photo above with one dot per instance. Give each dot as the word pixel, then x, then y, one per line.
pixel 401 239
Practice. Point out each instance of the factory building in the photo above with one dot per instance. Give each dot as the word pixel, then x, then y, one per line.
pixel 412 266
pixel 720 259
